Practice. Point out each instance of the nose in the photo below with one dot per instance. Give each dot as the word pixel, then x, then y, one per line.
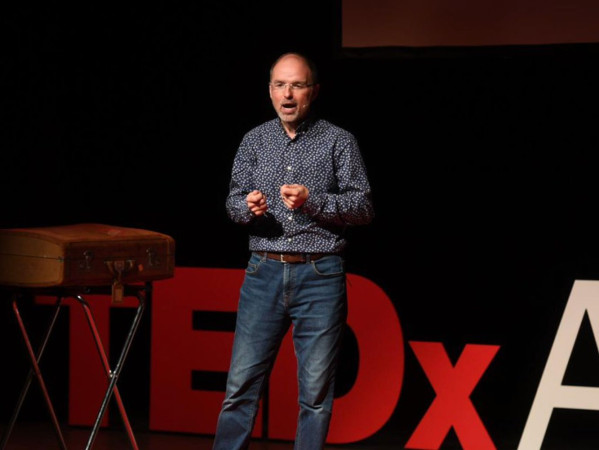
pixel 287 91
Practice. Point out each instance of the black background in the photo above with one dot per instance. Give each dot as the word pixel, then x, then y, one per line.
pixel 482 163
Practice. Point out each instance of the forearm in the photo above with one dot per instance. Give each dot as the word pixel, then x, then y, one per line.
pixel 350 208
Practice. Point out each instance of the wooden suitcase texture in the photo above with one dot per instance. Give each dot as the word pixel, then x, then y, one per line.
pixel 86 254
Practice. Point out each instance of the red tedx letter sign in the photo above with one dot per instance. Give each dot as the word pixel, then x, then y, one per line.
pixel 177 350
pixel 452 406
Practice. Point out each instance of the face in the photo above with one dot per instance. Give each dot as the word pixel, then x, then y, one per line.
pixel 292 104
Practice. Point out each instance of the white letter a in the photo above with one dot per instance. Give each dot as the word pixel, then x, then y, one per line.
pixel 551 393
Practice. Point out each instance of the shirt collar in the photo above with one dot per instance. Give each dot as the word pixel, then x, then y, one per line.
pixel 302 127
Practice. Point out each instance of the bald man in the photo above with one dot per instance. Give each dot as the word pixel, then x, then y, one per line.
pixel 297 183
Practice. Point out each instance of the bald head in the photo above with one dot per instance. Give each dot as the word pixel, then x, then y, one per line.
pixel 292 55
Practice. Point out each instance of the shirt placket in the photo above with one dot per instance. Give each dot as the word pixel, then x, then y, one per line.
pixel 290 177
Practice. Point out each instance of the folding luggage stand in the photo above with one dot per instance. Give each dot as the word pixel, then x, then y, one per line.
pixel 71 261
pixel 141 292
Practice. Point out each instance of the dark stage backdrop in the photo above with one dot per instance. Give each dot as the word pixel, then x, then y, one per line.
pixel 483 166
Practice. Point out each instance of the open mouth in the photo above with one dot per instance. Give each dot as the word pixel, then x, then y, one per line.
pixel 289 106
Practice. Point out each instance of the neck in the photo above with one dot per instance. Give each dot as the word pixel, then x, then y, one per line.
pixel 290 133
pixel 290 129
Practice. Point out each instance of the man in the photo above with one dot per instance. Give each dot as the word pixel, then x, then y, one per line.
pixel 297 182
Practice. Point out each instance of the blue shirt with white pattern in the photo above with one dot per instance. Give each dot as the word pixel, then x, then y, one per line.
pixel 323 157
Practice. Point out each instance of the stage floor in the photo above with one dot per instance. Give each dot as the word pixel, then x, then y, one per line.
pixel 40 435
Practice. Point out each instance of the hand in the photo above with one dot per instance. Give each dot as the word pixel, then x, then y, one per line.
pixel 294 195
pixel 256 202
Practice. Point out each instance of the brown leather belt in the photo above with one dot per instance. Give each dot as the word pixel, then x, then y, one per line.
pixel 294 258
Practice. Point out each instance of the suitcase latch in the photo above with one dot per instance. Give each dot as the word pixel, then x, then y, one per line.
pixel 87 263
pixel 117 269
pixel 152 257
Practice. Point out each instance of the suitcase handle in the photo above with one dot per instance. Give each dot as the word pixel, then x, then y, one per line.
pixel 118 267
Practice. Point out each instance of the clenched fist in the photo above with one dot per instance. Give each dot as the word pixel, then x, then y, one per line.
pixel 294 195
pixel 256 202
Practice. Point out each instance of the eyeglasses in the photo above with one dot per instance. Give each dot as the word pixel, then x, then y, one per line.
pixel 280 86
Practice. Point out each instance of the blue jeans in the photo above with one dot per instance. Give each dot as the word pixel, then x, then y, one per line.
pixel 274 295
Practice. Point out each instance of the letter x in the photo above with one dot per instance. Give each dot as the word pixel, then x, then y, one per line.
pixel 452 405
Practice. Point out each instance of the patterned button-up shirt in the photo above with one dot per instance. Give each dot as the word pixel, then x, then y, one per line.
pixel 324 158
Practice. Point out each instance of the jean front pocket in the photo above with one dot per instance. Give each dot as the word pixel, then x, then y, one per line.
pixel 253 264
pixel 329 266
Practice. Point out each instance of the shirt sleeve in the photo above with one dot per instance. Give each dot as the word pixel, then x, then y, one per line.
pixel 241 184
pixel 351 202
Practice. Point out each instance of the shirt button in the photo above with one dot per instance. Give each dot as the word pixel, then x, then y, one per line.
pixel 288 239
pixel 289 168
pixel 290 217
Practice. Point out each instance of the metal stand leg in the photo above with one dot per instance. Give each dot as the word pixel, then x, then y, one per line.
pixel 35 370
pixel 113 375
pixel 143 294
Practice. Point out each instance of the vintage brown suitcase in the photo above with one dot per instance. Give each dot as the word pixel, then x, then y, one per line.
pixel 87 254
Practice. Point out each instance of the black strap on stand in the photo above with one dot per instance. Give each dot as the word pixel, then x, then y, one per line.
pixel 142 293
